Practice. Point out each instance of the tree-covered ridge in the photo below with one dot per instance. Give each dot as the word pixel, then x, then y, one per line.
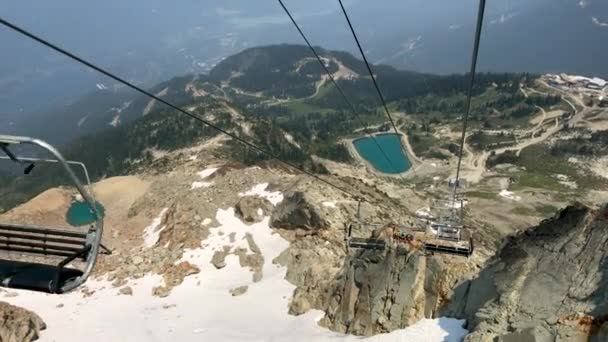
pixel 293 127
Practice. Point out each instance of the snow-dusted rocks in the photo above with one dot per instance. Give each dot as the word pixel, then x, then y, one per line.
pixel 152 232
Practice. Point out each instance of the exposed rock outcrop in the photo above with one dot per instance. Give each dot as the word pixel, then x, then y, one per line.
pixel 378 291
pixel 18 324
pixel 547 283
pixel 252 208
pixel 296 211
pixel 368 292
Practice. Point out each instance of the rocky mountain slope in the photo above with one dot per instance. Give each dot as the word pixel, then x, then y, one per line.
pixel 229 235
pixel 546 283
pixel 192 218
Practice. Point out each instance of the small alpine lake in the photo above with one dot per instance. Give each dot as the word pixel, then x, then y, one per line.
pixel 79 213
pixel 368 149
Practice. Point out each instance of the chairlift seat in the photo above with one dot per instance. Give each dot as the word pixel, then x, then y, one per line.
pixel 35 277
pixel 65 244
pixel 69 245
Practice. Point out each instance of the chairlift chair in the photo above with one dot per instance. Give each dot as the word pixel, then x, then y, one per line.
pixel 361 225
pixel 448 227
pixel 48 242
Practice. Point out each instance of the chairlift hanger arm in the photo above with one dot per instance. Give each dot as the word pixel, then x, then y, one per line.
pixel 9 153
pixel 70 162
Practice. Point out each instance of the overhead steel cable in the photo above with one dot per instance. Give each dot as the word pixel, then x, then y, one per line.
pixel 335 83
pixel 167 103
pixel 477 39
pixel 371 74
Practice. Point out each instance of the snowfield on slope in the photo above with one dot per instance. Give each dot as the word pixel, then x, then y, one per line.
pixel 201 308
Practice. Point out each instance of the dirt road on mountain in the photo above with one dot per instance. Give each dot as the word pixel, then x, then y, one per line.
pixel 476 163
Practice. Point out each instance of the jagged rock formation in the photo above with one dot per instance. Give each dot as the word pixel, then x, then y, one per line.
pixel 378 292
pixel 547 283
pixel 368 292
pixel 18 324
pixel 296 211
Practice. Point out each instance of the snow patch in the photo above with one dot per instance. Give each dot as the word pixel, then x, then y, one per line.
pixel 207 172
pixel 441 329
pixel 329 204
pixel 573 160
pixel 599 23
pixel 115 121
pixel 152 232
pixel 509 195
pixel 424 212
pixel 456 204
pixel 565 180
pixel 195 157
pixel 259 190
pixel 82 120
pixel 291 140
pixel 198 185
pixel 206 222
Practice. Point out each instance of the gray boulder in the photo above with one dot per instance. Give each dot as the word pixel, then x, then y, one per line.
pixel 296 211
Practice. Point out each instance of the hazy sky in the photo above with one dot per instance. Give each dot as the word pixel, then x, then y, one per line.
pixel 152 40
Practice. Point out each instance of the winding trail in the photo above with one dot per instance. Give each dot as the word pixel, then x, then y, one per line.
pixel 477 162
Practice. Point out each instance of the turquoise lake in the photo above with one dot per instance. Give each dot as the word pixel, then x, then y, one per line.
pixel 367 148
pixel 79 213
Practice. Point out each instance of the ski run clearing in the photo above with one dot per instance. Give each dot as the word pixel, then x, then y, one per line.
pixel 202 308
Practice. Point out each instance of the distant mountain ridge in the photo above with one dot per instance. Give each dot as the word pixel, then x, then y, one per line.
pixel 115 132
pixel 249 78
pixel 151 41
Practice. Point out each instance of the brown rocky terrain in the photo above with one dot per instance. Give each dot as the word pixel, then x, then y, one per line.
pixel 18 324
pixel 153 218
